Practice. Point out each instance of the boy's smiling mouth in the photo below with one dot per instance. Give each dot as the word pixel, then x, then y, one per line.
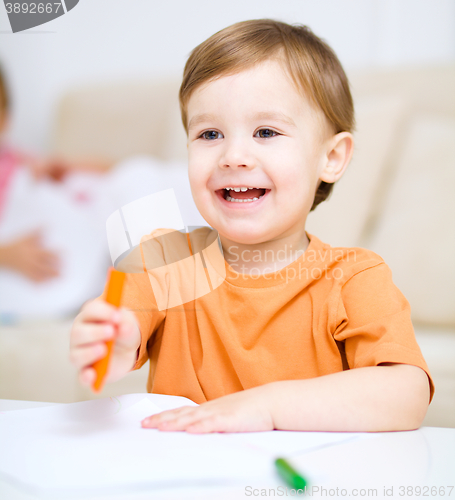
pixel 242 194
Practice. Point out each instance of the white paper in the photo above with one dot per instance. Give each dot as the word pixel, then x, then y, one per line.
pixel 99 447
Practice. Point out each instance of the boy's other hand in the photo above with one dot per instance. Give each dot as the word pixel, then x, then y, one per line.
pixel 98 322
pixel 244 411
pixel 28 257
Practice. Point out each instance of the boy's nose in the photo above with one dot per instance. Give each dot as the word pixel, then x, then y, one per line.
pixel 237 155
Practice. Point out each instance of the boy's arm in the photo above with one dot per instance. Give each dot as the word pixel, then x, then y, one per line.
pixel 390 397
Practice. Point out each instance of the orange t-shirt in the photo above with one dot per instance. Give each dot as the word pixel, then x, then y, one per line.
pixel 331 309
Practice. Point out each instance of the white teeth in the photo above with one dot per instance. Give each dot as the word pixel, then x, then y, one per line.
pixel 243 189
pixel 240 200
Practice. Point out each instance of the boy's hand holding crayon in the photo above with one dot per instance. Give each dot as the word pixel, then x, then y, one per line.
pixel 97 323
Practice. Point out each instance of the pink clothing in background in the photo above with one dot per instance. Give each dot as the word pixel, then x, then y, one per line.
pixel 9 161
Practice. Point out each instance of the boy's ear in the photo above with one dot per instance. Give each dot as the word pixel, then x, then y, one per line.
pixel 339 155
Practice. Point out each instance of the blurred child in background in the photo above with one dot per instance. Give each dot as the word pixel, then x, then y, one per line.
pixel 53 248
pixel 26 254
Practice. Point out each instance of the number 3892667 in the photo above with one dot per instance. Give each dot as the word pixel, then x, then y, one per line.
pixel 425 491
pixel 33 8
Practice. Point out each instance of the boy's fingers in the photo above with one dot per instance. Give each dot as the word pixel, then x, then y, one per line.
pixel 187 418
pixel 85 356
pixel 177 412
pixel 87 333
pixel 99 310
pixel 128 331
pixel 209 424
pixel 184 422
pixel 164 416
pixel 87 376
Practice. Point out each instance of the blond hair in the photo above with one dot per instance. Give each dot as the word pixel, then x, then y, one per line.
pixel 312 64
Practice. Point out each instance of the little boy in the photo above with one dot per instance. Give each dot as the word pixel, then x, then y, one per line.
pixel 300 336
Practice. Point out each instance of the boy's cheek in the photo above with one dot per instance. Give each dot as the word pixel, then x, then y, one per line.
pixel 200 171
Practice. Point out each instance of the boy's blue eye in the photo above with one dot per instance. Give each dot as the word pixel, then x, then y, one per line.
pixel 210 135
pixel 263 133
pixel 266 133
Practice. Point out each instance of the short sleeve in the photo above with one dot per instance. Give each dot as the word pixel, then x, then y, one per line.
pixel 374 322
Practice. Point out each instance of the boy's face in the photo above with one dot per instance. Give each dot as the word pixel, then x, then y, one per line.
pixel 255 130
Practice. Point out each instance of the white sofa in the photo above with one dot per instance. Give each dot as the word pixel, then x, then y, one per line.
pixel 396 198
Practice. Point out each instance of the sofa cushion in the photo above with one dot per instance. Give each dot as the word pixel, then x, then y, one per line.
pixel 416 232
pixel 117 120
pixel 341 220
pixel 438 349
pixel 429 89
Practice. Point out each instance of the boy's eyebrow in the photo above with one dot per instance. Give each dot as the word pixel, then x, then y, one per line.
pixel 263 115
pixel 199 119
pixel 275 115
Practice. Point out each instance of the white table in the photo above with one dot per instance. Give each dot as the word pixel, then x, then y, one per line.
pixel 390 465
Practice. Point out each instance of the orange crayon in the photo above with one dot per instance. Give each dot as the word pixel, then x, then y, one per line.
pixel 113 296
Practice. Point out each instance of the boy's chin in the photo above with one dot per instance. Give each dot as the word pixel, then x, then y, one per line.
pixel 246 237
